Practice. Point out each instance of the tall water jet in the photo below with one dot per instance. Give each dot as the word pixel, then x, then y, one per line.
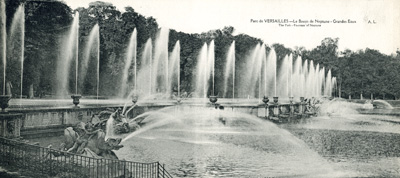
pixel 205 70
pixel 174 69
pixel 297 78
pixel 251 74
pixel 130 56
pixel 323 85
pixel 211 65
pixel 160 65
pixel 272 71
pixel 145 72
pixel 90 50
pixel 69 51
pixel 311 79
pixel 3 43
pixel 317 81
pixel 76 53
pixel 283 78
pixel 230 70
pixel 321 78
pixel 98 66
pixel 305 78
pixel 290 75
pixel 262 60
pixel 18 28
pixel 201 73
pixel 334 86
pixel 328 84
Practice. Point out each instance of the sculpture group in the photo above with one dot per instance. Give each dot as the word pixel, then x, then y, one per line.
pixel 90 138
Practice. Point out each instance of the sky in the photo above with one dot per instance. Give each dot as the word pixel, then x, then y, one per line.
pixel 377 24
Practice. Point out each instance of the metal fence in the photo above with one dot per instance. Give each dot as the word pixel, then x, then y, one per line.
pixel 37 161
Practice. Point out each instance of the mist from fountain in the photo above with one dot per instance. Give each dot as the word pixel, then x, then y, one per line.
pixel 230 71
pixel 130 56
pixel 91 51
pixel 69 51
pixel 174 69
pixel 18 28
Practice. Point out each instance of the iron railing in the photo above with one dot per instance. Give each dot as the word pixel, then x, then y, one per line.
pixel 37 161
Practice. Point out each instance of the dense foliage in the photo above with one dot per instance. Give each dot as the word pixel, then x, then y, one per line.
pixel 367 71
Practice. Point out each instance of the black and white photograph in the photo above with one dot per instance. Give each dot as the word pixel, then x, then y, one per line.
pixel 199 88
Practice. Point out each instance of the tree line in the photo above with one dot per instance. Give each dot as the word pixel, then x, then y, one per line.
pixel 47 23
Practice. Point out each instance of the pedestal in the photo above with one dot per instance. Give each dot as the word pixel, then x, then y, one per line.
pixel 10 125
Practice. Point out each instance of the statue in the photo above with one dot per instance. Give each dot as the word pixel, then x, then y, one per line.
pixel 87 140
pixel 90 138
pixel 312 106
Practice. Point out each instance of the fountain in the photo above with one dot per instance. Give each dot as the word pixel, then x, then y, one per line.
pixel 159 73
pixel 201 137
pixel 237 147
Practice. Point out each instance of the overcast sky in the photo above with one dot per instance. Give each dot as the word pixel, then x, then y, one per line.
pixel 196 16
